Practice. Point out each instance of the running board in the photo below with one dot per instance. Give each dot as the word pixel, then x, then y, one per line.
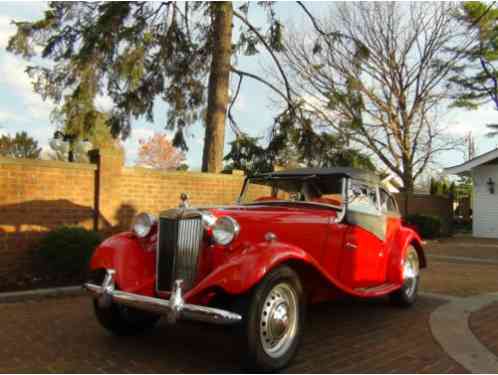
pixel 377 289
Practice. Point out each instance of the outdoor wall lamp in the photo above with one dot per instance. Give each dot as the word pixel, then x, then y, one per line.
pixel 491 185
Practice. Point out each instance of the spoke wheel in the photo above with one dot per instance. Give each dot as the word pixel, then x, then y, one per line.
pixel 407 294
pixel 278 322
pixel 274 320
pixel 411 272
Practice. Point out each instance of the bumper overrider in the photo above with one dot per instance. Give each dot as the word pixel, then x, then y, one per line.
pixel 175 308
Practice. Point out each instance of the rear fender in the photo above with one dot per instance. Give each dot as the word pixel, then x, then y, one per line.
pixel 135 267
pixel 404 239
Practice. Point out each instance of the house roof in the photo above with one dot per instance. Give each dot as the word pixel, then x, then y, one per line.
pixel 335 171
pixel 473 163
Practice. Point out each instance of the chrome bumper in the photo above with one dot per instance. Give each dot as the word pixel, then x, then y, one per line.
pixel 175 308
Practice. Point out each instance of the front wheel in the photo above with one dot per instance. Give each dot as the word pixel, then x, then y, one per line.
pixel 407 294
pixel 275 320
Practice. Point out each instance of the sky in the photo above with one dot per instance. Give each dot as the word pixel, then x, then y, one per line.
pixel 22 109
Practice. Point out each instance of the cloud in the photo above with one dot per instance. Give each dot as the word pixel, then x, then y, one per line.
pixel 6 30
pixel 460 122
pixel 7 116
pixel 14 78
pixel 104 103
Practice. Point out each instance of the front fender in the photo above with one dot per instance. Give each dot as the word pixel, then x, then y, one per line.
pixel 135 266
pixel 242 271
pixel 404 239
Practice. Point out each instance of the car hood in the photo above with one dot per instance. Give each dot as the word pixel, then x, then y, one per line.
pixel 300 225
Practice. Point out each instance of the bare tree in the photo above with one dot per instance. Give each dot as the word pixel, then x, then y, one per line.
pixel 378 78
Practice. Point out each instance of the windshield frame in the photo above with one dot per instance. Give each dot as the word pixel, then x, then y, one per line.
pixel 341 207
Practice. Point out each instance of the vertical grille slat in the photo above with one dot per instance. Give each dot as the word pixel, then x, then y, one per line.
pixel 179 247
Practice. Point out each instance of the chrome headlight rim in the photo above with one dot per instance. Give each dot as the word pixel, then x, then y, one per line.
pixel 142 224
pixel 208 220
pixel 225 230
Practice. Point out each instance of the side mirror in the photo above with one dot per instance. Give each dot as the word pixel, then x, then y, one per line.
pixel 184 201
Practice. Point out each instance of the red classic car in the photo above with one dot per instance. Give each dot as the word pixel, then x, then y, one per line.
pixel 293 237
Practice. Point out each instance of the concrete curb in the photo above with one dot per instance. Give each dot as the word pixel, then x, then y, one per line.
pixel 22 296
pixel 450 327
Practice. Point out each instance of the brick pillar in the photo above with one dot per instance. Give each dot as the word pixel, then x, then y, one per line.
pixel 106 201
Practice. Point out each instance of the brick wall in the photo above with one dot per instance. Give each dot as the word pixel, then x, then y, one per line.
pixel 37 196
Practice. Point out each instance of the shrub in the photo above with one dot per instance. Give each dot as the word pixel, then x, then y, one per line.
pixel 426 226
pixel 68 249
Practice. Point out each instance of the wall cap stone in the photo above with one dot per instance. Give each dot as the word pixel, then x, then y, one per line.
pixel 148 171
pixel 46 163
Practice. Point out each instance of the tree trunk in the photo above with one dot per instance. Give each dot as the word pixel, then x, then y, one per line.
pixel 408 184
pixel 219 78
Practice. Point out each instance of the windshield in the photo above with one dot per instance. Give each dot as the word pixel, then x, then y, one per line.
pixel 313 189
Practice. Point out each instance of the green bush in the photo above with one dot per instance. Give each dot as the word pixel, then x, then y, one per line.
pixel 68 249
pixel 426 226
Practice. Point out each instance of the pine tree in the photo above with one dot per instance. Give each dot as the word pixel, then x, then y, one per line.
pixel 19 146
pixel 478 82
pixel 137 52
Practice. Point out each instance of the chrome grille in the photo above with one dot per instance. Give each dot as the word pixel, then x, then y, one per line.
pixel 179 246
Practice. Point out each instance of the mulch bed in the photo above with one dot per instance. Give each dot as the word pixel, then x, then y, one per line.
pixel 39 283
pixel 40 278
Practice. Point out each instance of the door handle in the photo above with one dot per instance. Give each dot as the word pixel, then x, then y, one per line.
pixel 351 246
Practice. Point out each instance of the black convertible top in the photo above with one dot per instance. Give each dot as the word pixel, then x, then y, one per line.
pixel 355 173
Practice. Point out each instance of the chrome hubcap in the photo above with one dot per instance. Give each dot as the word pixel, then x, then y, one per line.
pixel 278 323
pixel 410 272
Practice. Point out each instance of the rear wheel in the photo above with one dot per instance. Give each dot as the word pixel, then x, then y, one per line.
pixel 407 294
pixel 123 320
pixel 274 320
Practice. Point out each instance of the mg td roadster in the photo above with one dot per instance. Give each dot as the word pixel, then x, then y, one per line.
pixel 293 238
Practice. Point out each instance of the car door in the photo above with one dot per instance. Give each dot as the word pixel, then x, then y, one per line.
pixel 363 252
pixel 390 210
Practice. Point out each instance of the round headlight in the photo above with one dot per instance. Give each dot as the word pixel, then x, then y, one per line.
pixel 142 224
pixel 225 230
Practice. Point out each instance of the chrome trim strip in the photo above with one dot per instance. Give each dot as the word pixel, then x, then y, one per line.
pixel 175 308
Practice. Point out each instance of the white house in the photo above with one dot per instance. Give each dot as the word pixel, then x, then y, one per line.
pixel 484 172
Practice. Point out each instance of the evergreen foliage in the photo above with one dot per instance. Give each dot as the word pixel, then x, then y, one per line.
pixel 19 146
pixel 96 136
pixel 478 82
pixel 67 250
pixel 140 53
pixel 442 187
pixel 426 226
pixel 301 148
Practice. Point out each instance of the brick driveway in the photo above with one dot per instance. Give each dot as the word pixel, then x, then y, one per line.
pixel 480 323
pixel 62 335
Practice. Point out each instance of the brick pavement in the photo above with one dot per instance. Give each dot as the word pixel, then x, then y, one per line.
pixel 459 279
pixel 62 335
pixel 462 278
pixel 483 324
